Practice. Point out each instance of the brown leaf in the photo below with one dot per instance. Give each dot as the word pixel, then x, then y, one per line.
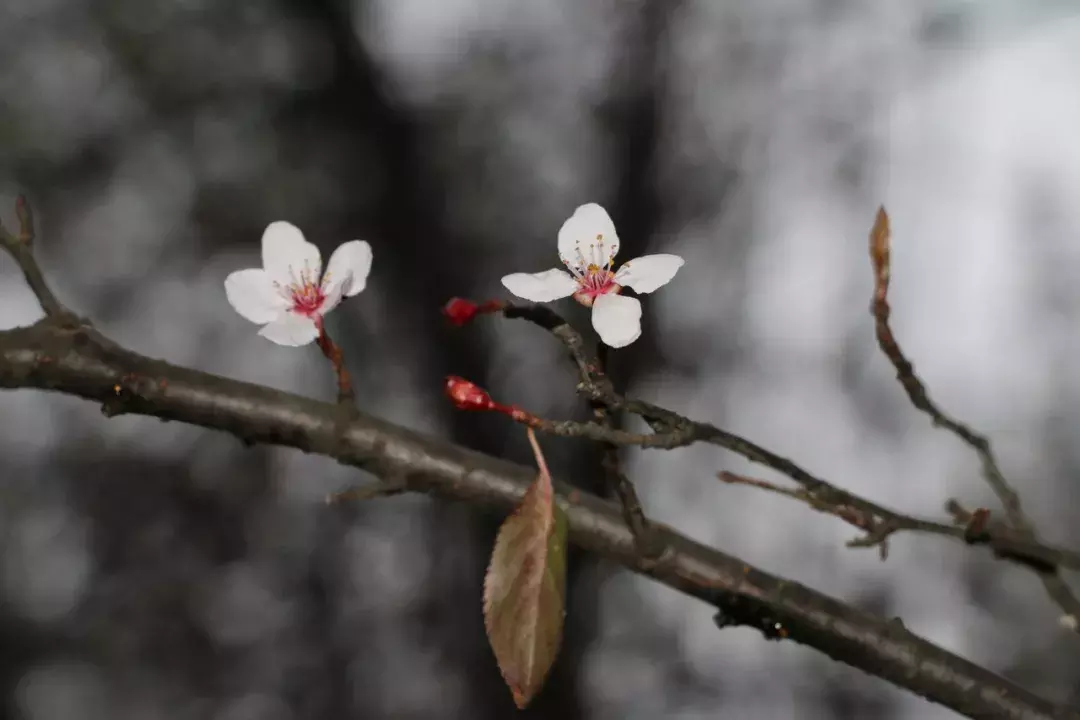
pixel 525 586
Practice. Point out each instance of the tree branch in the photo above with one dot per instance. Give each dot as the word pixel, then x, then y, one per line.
pixel 77 360
pixel 74 362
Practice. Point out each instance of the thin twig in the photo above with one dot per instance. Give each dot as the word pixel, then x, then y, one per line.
pixel 590 369
pixel 606 434
pixel 877 529
pixel 675 430
pixel 617 480
pixel 593 374
pixel 880 523
pixel 880 250
pixel 20 248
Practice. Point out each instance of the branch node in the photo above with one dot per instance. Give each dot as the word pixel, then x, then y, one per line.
pixel 976 528
pixel 734 611
pixel 877 536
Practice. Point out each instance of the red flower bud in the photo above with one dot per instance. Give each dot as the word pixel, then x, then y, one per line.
pixel 460 311
pixel 466 395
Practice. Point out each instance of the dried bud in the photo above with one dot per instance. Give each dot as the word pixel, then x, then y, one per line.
pixel 976 526
pixel 467 396
pixel 460 311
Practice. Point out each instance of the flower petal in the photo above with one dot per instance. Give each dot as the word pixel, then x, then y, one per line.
pixel 348 269
pixel 331 297
pixel 286 254
pixel 617 319
pixel 648 272
pixel 553 284
pixel 588 237
pixel 291 329
pixel 252 294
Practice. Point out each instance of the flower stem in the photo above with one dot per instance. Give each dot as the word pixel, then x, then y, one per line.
pixel 333 353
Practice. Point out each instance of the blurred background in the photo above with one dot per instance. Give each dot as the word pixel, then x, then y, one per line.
pixel 152 570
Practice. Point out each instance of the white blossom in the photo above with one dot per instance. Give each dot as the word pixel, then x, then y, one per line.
pixel 289 295
pixel 587 247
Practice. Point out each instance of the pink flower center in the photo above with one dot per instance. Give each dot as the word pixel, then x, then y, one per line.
pixel 592 270
pixel 306 295
pixel 593 283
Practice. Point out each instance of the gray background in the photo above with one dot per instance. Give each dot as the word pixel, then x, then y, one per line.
pixel 152 570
